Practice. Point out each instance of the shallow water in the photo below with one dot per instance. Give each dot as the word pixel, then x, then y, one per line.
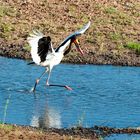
pixel 101 95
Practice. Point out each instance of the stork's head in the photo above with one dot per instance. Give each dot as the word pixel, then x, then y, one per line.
pixel 77 44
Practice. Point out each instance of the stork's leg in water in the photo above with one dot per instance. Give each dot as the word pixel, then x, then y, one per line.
pixel 37 80
pixel 56 85
pixel 65 86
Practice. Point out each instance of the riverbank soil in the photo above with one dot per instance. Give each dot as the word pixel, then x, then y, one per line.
pixel 113 37
pixel 13 132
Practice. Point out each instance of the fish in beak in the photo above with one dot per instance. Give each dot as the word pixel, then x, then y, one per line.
pixel 76 42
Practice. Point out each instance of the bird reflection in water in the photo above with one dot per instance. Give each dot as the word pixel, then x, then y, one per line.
pixel 49 119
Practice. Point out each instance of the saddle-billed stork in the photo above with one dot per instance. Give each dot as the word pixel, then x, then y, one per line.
pixel 44 55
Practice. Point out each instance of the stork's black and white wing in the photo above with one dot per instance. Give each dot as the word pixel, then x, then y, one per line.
pixel 40 46
pixel 33 42
pixel 66 42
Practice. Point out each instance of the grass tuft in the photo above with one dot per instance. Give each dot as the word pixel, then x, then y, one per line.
pixel 6 127
pixel 115 36
pixel 134 46
pixel 7 10
pixel 110 10
pixel 27 47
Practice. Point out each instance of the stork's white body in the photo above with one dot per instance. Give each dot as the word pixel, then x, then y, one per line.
pixel 52 59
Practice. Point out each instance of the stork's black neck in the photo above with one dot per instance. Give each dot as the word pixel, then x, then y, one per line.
pixel 72 38
pixel 68 49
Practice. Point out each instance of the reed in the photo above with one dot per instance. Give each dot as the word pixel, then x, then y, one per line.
pixel 5 108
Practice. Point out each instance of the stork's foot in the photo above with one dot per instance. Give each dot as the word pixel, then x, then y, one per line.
pixel 68 88
pixel 47 83
pixel 56 85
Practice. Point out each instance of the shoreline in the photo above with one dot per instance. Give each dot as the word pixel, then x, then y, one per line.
pixel 95 58
pixel 75 133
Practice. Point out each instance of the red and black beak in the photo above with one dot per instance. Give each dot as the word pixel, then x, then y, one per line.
pixel 76 42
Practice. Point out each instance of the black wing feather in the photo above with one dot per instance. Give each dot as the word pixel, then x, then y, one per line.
pixel 44 45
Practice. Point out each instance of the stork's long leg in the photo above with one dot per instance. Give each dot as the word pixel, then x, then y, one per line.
pixel 37 80
pixel 65 86
pixel 49 74
pixel 56 85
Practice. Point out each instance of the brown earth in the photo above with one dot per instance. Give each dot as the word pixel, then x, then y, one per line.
pixel 114 24
pixel 14 132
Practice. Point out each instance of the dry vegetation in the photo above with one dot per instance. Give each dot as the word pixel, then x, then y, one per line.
pixel 114 25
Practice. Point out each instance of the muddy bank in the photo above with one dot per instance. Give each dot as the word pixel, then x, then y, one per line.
pixel 15 132
pixel 124 58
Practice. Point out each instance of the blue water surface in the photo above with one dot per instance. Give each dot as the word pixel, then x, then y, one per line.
pixel 101 95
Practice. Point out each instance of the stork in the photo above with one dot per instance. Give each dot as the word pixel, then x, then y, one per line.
pixel 45 55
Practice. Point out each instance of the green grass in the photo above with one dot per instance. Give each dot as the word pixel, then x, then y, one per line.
pixel 115 36
pixel 7 10
pixel 3 11
pixel 110 10
pixel 134 46
pixel 27 47
pixel 6 127
pixel 6 27
pixel 118 16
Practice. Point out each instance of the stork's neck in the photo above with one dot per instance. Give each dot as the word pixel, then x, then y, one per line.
pixel 68 49
pixel 63 46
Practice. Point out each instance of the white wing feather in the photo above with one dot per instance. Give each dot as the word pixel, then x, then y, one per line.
pixel 33 42
pixel 81 31
pixel 76 33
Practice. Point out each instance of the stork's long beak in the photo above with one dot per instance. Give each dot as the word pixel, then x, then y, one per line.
pixel 76 42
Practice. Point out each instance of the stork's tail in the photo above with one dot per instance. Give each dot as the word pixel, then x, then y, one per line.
pixel 31 63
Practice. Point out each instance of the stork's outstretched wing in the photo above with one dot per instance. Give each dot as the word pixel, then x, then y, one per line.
pixel 33 42
pixel 77 33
